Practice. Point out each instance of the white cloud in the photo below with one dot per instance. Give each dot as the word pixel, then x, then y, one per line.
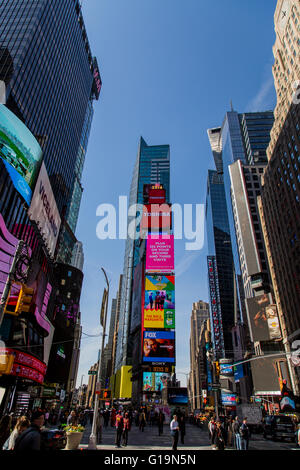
pixel 185 263
pixel 263 100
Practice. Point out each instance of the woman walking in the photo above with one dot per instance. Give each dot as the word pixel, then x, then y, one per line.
pixel 22 424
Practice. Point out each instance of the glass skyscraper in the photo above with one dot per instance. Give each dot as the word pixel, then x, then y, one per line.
pixel 51 80
pixel 152 166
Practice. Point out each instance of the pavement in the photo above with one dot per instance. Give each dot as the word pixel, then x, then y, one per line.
pixel 195 439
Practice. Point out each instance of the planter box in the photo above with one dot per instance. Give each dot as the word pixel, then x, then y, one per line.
pixel 73 440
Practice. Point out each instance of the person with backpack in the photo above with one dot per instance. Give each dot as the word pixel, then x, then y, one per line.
pixel 245 435
pixel 31 438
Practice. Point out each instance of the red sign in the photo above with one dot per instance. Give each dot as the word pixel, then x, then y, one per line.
pixel 26 366
pixel 157 216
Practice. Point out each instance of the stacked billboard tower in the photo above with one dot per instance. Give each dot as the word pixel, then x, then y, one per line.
pixel 155 277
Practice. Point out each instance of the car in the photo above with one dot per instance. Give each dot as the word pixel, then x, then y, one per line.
pixel 53 439
pixel 279 427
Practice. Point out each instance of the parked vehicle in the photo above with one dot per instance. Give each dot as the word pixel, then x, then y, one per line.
pixel 279 427
pixel 53 439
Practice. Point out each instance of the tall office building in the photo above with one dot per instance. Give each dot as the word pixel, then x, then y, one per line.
pixel 200 313
pixel 244 137
pixel 78 256
pixel 286 68
pixel 280 200
pixel 152 166
pixel 223 309
pixel 51 80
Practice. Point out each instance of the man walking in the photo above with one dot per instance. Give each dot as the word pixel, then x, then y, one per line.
pixel 245 435
pixel 174 427
pixel 236 434
pixel 31 438
pixel 119 428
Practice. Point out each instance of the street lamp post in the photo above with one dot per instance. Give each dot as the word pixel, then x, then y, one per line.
pixel 92 440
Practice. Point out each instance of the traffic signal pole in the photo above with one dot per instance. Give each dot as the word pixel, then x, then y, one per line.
pixel 10 280
pixel 93 436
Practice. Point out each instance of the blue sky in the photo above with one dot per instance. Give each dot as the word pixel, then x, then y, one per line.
pixel 169 69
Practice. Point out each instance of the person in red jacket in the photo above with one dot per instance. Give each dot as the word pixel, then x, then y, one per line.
pixel 126 429
pixel 119 428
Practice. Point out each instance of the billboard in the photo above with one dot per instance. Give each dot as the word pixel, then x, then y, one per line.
pixel 158 346
pixel 238 371
pixel 20 152
pixel 215 306
pixel 136 309
pixel 159 282
pixel 178 396
pixel 160 253
pixel 154 381
pixel 159 309
pixel 228 399
pixel 156 217
pixel 265 376
pixel 226 370
pixel 263 318
pixel 159 318
pixel 43 210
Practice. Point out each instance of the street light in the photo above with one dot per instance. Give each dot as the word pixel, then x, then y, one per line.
pixel 92 440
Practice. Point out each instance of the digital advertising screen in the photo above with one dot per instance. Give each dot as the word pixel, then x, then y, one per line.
pixel 177 396
pixel 158 346
pixel 20 152
pixel 160 253
pixel 154 381
pixel 263 318
pixel 159 309
pixel 154 282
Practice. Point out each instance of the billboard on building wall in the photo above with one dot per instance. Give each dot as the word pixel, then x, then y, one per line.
pixel 265 376
pixel 154 381
pixel 158 346
pixel 156 282
pixel 215 305
pixel 159 309
pixel 20 152
pixel 160 253
pixel 156 217
pixel 43 210
pixel 263 318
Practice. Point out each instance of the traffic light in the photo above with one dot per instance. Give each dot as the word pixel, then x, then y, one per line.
pixel 24 300
pixel 6 363
pixel 217 367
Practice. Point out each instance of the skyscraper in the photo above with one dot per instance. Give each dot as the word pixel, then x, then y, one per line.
pixel 280 200
pixel 152 166
pixel 200 313
pixel 51 80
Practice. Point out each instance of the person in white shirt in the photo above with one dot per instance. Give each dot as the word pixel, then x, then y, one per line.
pixel 174 427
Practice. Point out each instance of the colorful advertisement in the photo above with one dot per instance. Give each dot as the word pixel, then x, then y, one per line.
pixel 156 217
pixel 160 253
pixel 159 282
pixel 43 210
pixel 228 399
pixel 226 370
pixel 159 300
pixel 159 309
pixel 154 381
pixel 263 318
pixel 21 152
pixel 178 396
pixel 238 372
pixel 159 346
pixel 159 319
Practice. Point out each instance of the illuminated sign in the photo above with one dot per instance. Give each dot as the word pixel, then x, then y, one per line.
pixel 159 346
pixel 216 320
pixel 160 253
pixel 25 365
pixel 154 381
pixel 20 152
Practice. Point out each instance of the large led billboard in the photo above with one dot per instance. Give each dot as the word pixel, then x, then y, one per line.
pixel 159 282
pixel 154 381
pixel 158 346
pixel 159 309
pixel 265 376
pixel 160 253
pixel 20 151
pixel 43 210
pixel 263 318
pixel 177 396
pixel 136 309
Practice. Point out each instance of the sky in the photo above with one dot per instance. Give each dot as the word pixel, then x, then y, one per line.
pixel 170 70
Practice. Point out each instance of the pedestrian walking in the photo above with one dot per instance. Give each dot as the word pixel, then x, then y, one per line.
pixel 99 427
pixel 142 421
pixel 5 429
pixel 31 438
pixel 245 435
pixel 219 437
pixel 211 429
pixel 160 420
pixel 182 428
pixel 126 429
pixel 119 428
pixel 174 427
pixel 22 424
pixel 236 434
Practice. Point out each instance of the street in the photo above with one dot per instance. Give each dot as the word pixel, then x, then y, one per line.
pixel 195 439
